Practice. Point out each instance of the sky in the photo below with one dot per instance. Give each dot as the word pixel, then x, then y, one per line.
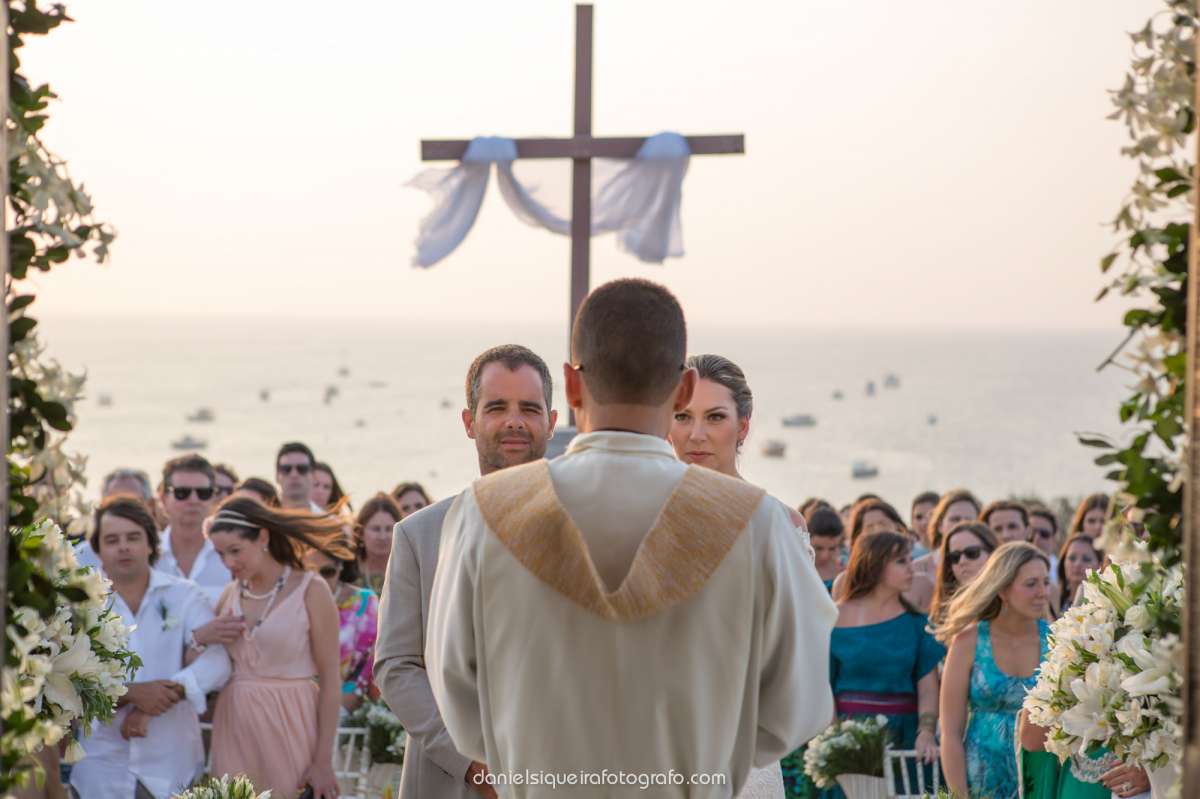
pixel 931 163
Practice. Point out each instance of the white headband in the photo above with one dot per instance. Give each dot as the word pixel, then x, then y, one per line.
pixel 234 518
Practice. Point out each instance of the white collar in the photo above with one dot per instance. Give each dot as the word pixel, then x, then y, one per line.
pixel 619 441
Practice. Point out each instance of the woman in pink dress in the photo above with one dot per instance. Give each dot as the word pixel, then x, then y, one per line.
pixel 276 720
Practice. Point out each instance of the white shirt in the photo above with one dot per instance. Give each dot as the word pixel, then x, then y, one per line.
pixel 172 753
pixel 731 673
pixel 208 571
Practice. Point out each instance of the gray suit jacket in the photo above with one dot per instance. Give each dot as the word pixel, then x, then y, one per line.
pixel 432 766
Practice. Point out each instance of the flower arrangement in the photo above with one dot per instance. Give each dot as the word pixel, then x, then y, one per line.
pixel 848 746
pixel 66 657
pixel 385 737
pixel 1112 677
pixel 226 787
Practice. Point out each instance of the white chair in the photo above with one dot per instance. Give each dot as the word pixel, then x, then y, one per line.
pixel 352 761
pixel 351 758
pixel 896 769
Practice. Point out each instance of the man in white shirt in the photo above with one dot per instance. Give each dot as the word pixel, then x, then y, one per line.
pixel 153 746
pixel 189 496
pixel 616 617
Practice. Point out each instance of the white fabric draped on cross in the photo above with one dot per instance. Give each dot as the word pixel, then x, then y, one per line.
pixel 639 200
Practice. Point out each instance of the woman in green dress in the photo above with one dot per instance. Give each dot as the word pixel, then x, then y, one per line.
pixel 1100 776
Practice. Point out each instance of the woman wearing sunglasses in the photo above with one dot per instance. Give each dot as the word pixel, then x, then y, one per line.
pixel 358 618
pixel 964 553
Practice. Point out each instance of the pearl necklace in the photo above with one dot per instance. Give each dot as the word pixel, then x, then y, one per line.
pixel 269 596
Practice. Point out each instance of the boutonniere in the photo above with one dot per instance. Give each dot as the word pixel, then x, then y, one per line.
pixel 168 621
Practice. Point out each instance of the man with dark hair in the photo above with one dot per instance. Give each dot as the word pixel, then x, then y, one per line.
pixel 188 496
pixel 153 746
pixel 1009 520
pixel 508 415
pixel 294 473
pixel 611 571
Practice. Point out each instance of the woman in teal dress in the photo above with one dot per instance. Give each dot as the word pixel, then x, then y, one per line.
pixel 882 659
pixel 997 633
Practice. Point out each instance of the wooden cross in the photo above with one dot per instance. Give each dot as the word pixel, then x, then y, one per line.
pixel 581 149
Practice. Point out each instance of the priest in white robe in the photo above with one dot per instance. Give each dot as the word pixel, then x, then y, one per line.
pixel 615 622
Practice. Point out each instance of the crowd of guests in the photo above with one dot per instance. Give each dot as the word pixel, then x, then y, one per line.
pixel 943 622
pixel 254 604
pixel 264 594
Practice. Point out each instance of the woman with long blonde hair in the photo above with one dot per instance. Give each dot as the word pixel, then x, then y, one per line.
pixel 997 633
pixel 276 719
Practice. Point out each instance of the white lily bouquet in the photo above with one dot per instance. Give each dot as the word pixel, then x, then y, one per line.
pixel 1111 678
pixel 226 787
pixel 385 736
pixel 848 746
pixel 67 658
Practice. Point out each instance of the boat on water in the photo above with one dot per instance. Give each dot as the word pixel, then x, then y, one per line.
pixel 201 415
pixel 860 470
pixel 446 404
pixel 104 400
pixel 377 384
pixel 837 394
pixel 774 448
pixel 891 381
pixel 344 371
pixel 870 388
pixel 800 420
pixel 264 394
pixel 330 393
pixel 932 419
pixel 188 443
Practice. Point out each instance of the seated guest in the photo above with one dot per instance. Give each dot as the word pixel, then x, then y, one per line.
pixel 1007 519
pixel 152 748
pixel 189 496
pixel 410 497
pixel 997 633
pixel 964 553
pixel 373 538
pixel 827 535
pixel 358 612
pixel 1043 534
pixel 260 489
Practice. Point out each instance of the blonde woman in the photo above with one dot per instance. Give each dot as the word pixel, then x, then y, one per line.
pixel 997 633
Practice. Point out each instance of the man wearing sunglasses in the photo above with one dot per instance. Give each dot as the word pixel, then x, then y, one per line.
pixel 294 474
pixel 188 497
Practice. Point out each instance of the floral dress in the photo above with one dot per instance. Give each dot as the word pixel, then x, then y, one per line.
pixel 358 626
pixel 994 699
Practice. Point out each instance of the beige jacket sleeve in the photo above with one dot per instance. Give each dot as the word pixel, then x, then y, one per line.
pixel 795 701
pixel 450 648
pixel 400 658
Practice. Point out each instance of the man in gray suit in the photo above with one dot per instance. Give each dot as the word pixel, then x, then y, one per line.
pixel 508 416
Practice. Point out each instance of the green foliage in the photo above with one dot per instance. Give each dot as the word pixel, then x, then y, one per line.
pixel 50 219
pixel 1153 227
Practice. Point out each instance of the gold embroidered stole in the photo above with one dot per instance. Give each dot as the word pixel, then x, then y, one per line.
pixel 694 531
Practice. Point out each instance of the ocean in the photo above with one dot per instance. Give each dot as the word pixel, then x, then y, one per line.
pixel 1007 404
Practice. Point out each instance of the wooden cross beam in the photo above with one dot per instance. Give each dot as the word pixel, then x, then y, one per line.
pixel 581 149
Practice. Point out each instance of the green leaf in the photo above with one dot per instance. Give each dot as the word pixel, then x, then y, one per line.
pixel 1107 261
pixel 20 301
